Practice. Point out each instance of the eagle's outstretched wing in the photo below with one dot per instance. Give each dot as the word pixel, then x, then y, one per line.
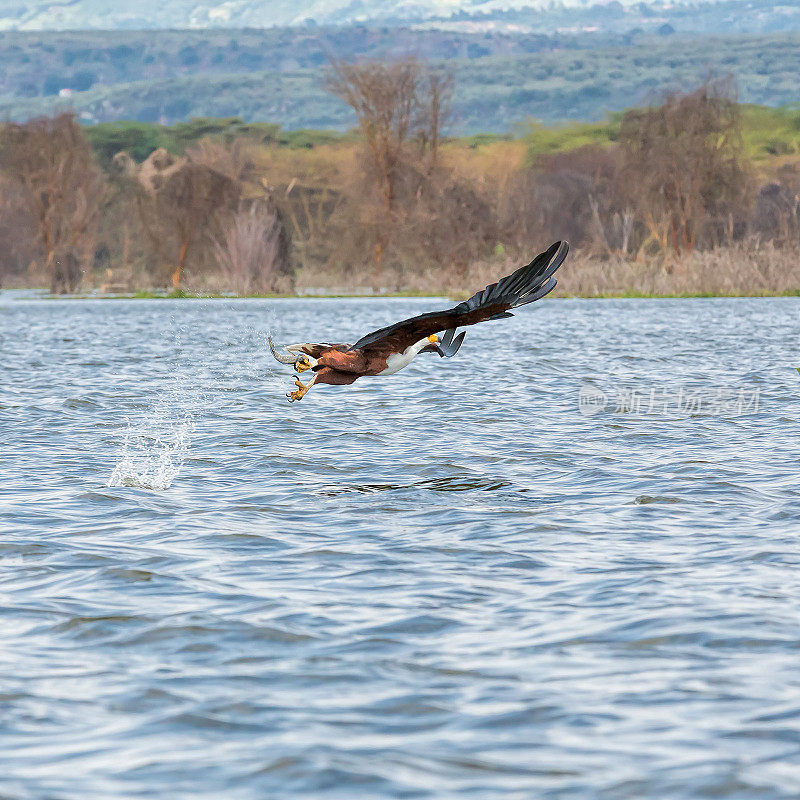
pixel 527 284
pixel 315 350
pixel 292 351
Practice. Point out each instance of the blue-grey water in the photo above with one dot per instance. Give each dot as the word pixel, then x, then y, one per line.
pixel 564 564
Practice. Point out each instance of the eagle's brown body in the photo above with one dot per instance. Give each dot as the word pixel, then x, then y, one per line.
pixel 338 358
pixel 388 350
pixel 337 367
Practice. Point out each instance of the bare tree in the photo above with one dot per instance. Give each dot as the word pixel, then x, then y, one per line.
pixel 435 95
pixel 395 102
pixel 384 98
pixel 181 204
pixel 683 163
pixel 560 195
pixel 392 102
pixel 19 247
pixel 52 163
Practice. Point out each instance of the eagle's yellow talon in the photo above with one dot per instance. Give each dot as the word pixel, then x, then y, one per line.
pixel 301 390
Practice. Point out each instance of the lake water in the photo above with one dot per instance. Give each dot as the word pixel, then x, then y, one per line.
pixel 564 564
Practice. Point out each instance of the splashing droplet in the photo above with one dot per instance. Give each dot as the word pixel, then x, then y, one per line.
pixel 152 460
pixel 156 442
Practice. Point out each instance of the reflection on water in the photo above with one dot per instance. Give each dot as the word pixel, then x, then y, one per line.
pixel 454 582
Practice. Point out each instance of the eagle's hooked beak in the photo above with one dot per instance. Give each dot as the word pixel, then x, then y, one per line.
pixel 302 364
pixel 433 338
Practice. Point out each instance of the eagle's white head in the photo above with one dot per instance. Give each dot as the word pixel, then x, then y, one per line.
pixel 305 362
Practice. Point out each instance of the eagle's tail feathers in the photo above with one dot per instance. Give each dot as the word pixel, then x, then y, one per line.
pixel 447 346
pixel 457 342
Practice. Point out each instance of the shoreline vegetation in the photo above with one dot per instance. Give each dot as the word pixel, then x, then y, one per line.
pixel 697 196
pixel 744 271
pixel 628 295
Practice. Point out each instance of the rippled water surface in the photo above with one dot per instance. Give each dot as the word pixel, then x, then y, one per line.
pixel 447 583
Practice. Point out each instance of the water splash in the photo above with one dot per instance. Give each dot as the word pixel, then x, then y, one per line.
pixel 152 459
pixel 157 439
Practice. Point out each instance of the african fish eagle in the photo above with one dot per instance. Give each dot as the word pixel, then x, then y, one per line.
pixel 388 350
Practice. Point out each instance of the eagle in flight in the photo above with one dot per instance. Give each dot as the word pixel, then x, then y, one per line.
pixel 388 350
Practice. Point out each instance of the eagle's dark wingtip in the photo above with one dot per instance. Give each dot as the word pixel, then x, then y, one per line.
pixel 538 294
pixel 526 285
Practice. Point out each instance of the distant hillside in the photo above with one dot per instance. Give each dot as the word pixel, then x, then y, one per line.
pixel 276 76
pixel 41 64
pixel 735 16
